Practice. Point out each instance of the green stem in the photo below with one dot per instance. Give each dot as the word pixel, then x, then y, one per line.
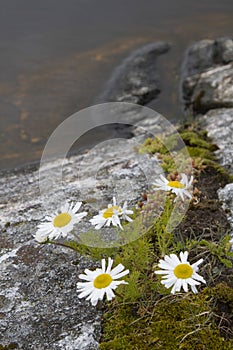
pixel 63 245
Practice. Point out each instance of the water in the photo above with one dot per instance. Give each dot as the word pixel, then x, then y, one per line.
pixel 57 55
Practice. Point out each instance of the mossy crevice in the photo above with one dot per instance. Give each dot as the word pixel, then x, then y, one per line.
pixel 147 316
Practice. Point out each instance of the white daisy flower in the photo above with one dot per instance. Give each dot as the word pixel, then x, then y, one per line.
pixel 113 214
pixel 179 273
pixel 100 282
pixel 61 223
pixel 180 188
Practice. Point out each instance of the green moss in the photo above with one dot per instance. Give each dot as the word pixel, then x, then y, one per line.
pixel 224 294
pixel 198 152
pixel 197 139
pixel 171 323
pixel 9 346
pixel 152 146
pixel 198 145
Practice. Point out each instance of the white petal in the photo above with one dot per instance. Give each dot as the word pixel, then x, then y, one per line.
pixel 192 282
pixel 117 269
pixel 85 293
pixel 94 302
pixel 179 284
pixel 77 207
pixel 185 286
pixel 103 262
pixel 162 272
pixel 110 262
pixel 194 289
pixel 184 257
pixel 194 266
pixel 115 284
pixel 196 276
pixel 173 259
pixel 99 226
pixel 85 277
pixel 119 275
pixel 127 218
pixel 110 294
pixel 165 265
pixel 80 215
pixel 188 194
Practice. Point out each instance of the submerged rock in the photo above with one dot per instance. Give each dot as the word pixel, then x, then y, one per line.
pixel 136 80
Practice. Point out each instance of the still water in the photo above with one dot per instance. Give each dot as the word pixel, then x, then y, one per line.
pixel 56 56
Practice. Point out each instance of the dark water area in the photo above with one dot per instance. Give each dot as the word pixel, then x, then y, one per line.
pixel 56 57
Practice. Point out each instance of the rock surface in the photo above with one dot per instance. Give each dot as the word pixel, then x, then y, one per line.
pixel 219 124
pixel 207 85
pixel 207 76
pixel 136 80
pixel 39 307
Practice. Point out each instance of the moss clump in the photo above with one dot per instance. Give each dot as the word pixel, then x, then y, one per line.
pixel 171 322
pixel 224 294
pixel 195 138
pixel 198 152
pixel 198 145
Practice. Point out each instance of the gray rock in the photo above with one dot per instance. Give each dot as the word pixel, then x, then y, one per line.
pixel 198 58
pixel 136 80
pixel 226 196
pixel 207 75
pixel 223 50
pixel 39 307
pixel 207 87
pixel 211 89
pixel 219 124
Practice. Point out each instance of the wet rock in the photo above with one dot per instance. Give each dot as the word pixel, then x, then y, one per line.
pixel 136 80
pixel 198 58
pixel 223 50
pixel 207 75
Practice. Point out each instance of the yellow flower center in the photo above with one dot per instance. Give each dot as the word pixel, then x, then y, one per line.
pixel 102 281
pixel 176 184
pixel 183 271
pixel 62 220
pixel 108 213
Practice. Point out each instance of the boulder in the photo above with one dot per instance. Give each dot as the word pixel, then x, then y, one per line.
pixel 207 75
pixel 136 80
